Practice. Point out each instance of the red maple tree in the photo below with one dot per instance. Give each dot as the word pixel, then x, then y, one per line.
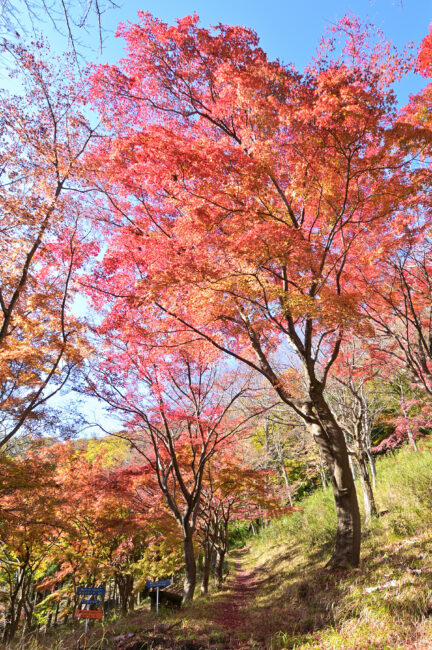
pixel 246 197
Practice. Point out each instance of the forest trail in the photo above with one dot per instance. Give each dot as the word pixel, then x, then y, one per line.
pixel 231 614
pixel 234 611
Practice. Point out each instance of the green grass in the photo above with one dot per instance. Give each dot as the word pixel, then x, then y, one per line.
pixel 405 489
pixel 385 604
pixel 322 609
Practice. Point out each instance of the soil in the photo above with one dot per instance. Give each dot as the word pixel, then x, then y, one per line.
pixel 232 610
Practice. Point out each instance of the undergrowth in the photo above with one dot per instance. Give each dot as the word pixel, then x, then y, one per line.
pixel 384 604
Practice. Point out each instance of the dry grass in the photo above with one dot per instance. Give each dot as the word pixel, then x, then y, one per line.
pixel 386 603
pixel 291 601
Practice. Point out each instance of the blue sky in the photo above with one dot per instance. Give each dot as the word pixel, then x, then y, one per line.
pixel 289 30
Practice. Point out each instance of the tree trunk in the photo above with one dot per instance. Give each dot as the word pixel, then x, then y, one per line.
pixel 220 557
pixel 412 440
pixel 28 610
pixel 8 623
pixel 368 496
pixel 287 483
pixel 190 567
pixel 352 467
pixel 49 620
pixel 66 616
pixel 124 584
pixel 206 569
pixel 330 438
pixel 131 602
pixel 12 617
pixel 322 470
pixel 15 622
pixel 371 460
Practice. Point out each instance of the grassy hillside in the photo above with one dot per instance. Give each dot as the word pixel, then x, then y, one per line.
pixel 387 602
pixel 278 594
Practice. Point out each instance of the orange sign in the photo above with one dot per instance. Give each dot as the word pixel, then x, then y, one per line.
pixel 89 613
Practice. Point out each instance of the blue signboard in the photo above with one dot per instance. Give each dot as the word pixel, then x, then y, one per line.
pixel 159 583
pixel 86 601
pixel 91 591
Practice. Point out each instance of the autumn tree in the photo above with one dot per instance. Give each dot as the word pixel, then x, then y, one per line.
pixel 401 310
pixel 71 516
pixel 401 307
pixel 43 237
pixel 133 519
pixel 178 411
pixel 247 196
pixel 114 527
pixel 401 313
pixel 357 397
pixel 232 490
pixel 30 506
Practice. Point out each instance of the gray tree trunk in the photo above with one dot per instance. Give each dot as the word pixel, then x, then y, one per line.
pixel 368 495
pixel 190 567
pixel 372 467
pixel 206 570
pixel 220 558
pixel 331 440
pixel 287 483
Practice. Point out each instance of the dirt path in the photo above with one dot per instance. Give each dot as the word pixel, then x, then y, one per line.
pixel 232 611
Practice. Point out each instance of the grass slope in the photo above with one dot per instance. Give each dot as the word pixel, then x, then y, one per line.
pixel 278 594
pixel 386 603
